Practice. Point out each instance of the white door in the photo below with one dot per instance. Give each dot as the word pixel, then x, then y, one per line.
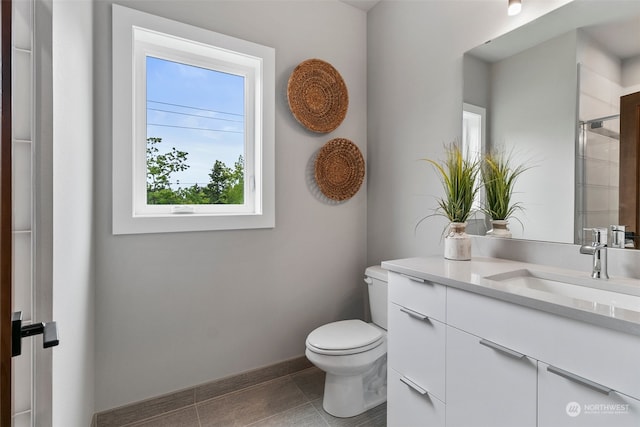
pixel 31 370
pixel 23 235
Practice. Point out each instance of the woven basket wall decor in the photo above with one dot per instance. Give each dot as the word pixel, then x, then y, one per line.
pixel 317 96
pixel 339 169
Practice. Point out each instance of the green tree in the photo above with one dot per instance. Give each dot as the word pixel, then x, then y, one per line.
pixel 159 170
pixel 194 195
pixel 226 185
pixel 235 192
pixel 218 183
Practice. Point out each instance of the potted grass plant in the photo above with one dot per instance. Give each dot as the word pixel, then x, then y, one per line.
pixel 499 178
pixel 459 180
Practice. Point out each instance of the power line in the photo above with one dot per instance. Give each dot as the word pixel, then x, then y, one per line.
pixel 193 128
pixel 195 115
pixel 195 108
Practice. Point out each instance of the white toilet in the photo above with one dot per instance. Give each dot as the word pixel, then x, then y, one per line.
pixel 354 355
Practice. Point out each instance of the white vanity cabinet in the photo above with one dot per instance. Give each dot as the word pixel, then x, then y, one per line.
pixel 488 385
pixel 416 352
pixel 457 358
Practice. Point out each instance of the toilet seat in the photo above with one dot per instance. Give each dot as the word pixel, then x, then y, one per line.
pixel 344 337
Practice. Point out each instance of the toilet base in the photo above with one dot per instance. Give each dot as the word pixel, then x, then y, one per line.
pixel 351 395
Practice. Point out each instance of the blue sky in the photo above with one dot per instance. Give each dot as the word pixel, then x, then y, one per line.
pixel 196 110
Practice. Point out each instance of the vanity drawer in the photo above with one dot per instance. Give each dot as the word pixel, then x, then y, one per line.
pixel 602 355
pixel 565 401
pixel 420 295
pixel 416 348
pixel 411 404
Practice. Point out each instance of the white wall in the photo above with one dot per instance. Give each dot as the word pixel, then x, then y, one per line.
pixel 476 82
pixel 175 310
pixel 414 67
pixel 631 75
pixel 533 115
pixel 73 281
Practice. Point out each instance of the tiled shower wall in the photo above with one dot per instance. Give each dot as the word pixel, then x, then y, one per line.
pixel 599 155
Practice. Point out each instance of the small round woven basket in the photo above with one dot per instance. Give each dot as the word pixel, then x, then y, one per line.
pixel 339 169
pixel 317 96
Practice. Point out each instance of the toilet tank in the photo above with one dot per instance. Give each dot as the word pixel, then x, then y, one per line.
pixel 376 278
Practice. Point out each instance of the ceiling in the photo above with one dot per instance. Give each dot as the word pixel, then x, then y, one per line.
pixel 615 28
pixel 620 38
pixel 361 4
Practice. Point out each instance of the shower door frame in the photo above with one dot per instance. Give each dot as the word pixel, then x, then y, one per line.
pixel 630 163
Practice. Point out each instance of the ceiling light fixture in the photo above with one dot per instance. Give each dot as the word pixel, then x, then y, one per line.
pixel 515 6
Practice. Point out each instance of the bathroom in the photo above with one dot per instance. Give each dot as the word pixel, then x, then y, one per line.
pixel 143 315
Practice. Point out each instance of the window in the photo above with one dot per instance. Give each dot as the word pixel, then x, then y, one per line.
pixel 193 128
pixel 473 139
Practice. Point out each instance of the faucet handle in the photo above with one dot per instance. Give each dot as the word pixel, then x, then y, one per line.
pixel 598 235
pixel 618 236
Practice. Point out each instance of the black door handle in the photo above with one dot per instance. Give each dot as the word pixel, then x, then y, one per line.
pixel 49 330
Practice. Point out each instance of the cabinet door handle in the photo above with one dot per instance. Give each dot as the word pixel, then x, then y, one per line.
pixel 413 279
pixel 578 379
pixel 414 314
pixel 501 349
pixel 413 385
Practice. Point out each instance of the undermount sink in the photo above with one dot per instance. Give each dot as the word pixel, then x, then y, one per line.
pixel 592 291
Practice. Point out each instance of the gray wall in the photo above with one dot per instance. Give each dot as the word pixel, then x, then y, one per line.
pixel 179 309
pixel 477 83
pixel 631 74
pixel 533 115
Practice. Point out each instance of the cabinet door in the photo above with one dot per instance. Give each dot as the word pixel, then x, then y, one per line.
pixel 565 399
pixel 488 385
pixel 409 405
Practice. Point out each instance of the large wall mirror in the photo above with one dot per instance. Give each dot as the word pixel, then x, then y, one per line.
pixel 551 93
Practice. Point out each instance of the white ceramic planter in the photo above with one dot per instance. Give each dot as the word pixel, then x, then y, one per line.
pixel 457 243
pixel 500 228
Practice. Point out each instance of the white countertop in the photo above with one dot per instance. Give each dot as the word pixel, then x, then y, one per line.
pixel 471 276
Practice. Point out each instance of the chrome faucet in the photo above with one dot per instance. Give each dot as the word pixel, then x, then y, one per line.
pixel 618 237
pixel 597 248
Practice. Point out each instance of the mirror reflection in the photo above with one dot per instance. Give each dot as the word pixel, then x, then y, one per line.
pixel 550 96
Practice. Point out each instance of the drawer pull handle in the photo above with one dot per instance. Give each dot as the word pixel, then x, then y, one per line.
pixel 414 314
pixel 578 379
pixel 413 385
pixel 501 349
pixel 414 279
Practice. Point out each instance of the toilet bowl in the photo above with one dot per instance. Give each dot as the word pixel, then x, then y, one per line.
pixel 354 355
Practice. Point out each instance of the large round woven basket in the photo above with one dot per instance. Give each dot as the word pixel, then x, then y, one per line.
pixel 339 169
pixel 317 96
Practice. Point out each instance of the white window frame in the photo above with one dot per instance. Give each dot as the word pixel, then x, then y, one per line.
pixel 137 35
pixel 474 136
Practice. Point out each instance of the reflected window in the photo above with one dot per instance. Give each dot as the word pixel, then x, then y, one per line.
pixel 473 138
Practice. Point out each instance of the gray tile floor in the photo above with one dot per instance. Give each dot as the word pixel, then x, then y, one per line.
pixel 293 400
